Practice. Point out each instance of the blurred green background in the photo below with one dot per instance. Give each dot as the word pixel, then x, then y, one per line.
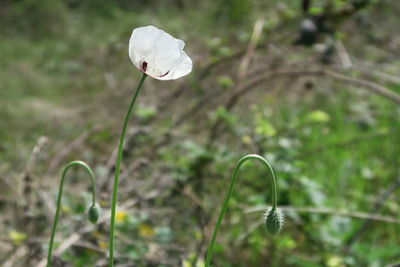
pixel 290 80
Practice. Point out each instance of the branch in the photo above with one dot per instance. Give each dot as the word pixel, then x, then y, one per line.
pixel 332 211
pixel 377 206
pixel 370 86
pixel 255 37
pixel 66 150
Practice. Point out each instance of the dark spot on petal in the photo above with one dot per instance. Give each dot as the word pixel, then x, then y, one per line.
pixel 165 74
pixel 144 66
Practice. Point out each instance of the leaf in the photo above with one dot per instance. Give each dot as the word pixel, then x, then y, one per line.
pixel 318 116
pixel 120 216
pixel 263 126
pixel 145 230
pixel 335 261
pixel 17 237
pixel 225 81
pixel 222 113
pixel 146 112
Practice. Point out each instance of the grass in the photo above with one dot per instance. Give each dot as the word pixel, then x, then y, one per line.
pixel 64 83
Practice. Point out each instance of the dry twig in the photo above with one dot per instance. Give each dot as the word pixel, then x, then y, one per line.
pixel 62 153
pixel 332 211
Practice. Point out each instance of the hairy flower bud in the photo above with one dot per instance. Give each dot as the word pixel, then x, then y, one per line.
pixel 94 213
pixel 274 221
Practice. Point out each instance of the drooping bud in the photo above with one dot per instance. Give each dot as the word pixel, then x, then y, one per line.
pixel 94 213
pixel 274 221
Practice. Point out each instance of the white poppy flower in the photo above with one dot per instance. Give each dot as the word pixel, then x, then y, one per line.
pixel 158 54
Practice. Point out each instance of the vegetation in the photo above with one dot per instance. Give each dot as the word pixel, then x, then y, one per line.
pixel 310 85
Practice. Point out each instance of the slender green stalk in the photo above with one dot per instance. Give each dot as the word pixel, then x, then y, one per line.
pixel 117 171
pixel 60 192
pixel 229 194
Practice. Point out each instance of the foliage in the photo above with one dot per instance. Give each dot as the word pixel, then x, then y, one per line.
pixel 66 75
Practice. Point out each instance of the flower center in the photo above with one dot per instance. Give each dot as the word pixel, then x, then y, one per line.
pixel 144 66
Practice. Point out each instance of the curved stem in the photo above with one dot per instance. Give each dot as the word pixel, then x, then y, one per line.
pixel 60 192
pixel 229 194
pixel 117 171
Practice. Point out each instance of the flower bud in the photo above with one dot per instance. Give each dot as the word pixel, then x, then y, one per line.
pixel 94 213
pixel 274 221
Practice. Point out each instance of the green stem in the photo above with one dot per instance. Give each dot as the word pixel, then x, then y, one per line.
pixel 60 192
pixel 229 194
pixel 117 171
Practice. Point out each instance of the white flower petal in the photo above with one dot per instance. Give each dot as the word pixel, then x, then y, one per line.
pixel 142 42
pixel 158 54
pixel 168 53
pixel 182 69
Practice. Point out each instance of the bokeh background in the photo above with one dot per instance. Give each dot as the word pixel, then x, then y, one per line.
pixel 310 85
